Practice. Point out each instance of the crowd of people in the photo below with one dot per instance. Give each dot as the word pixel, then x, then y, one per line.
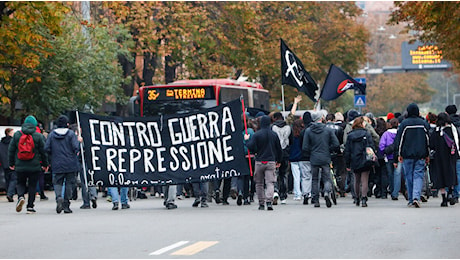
pixel 314 156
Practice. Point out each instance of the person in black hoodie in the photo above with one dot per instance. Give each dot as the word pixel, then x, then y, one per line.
pixel 266 145
pixel 411 143
pixel 319 141
pixel 10 175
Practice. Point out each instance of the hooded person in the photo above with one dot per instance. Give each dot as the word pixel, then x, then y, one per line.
pixel 319 141
pixel 411 149
pixel 62 146
pixel 268 155
pixel 27 171
pixel 454 117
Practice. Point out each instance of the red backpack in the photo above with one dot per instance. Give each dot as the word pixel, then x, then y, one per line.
pixel 26 147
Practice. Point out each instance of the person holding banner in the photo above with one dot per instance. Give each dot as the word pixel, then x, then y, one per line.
pixel 63 147
pixel 267 147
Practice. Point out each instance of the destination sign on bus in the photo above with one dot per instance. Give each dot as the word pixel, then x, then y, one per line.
pixel 178 93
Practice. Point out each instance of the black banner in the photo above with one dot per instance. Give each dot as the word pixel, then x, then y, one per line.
pixel 173 149
pixel 337 82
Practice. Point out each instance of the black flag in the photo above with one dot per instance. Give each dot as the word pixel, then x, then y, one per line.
pixel 337 82
pixel 294 74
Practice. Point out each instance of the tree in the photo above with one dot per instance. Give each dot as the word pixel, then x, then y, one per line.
pixel 435 21
pixel 26 32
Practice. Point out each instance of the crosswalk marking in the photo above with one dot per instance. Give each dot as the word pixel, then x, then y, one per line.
pixel 166 249
pixel 195 248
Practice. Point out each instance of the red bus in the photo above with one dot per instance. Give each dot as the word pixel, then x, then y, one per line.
pixel 188 96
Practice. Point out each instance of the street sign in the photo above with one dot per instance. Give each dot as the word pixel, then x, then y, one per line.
pixel 360 100
pixel 361 80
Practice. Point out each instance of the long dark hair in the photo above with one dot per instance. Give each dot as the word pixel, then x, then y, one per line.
pixel 297 127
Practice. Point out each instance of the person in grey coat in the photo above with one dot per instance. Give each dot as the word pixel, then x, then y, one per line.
pixel 319 141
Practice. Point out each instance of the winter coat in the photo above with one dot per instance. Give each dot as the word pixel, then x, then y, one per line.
pixel 63 146
pixel 320 141
pixel 411 141
pixel 40 158
pixel 4 143
pixel 284 132
pixel 443 164
pixel 386 140
pixel 265 143
pixel 354 153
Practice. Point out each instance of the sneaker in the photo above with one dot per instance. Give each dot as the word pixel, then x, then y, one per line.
pixel 394 198
pixel 171 206
pixel 283 202
pixel 162 195
pixel 59 207
pixel 269 206
pixel 246 202
pixel 125 206
pixel 298 198
pixel 31 211
pixel 196 203
pixel 44 198
pixel 67 211
pixel 225 202
pixel 9 198
pixel 109 198
pixel 20 203
pixel 423 199
pixel 157 195
pixel 410 205
pixel 217 198
pixel 85 207
pixel 115 206
pixel 94 203
pixel 275 198
pixel 305 200
pixel 239 201
pixel 452 201
pixel 261 207
pixel 204 204
pixel 416 203
pixel 179 197
pixel 328 201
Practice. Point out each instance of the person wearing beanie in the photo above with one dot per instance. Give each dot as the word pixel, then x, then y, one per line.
pixel 319 141
pixel 62 147
pixel 27 171
pixel 390 116
pixel 412 142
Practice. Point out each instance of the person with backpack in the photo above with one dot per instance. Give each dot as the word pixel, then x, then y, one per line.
pixel 27 156
pixel 63 147
pixel 444 142
pixel 358 140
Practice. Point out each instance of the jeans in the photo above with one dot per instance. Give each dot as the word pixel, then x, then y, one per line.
pixel 295 169
pixel 123 195
pixel 10 181
pixel 397 173
pixel 170 192
pixel 325 177
pixel 58 183
pixel 265 172
pixel 200 191
pixel 457 187
pixel 305 178
pixel 414 171
pixel 31 178
pixel 243 186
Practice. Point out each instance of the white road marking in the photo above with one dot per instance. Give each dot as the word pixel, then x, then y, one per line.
pixel 166 249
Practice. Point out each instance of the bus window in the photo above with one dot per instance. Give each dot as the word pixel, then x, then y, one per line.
pixel 261 99
pixel 228 93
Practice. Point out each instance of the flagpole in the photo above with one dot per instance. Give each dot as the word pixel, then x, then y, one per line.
pixel 82 152
pixel 282 96
pixel 246 132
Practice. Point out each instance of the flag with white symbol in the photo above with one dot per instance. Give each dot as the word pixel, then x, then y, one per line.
pixel 337 82
pixel 294 74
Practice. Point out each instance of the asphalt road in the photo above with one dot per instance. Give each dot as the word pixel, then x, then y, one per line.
pixel 385 229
